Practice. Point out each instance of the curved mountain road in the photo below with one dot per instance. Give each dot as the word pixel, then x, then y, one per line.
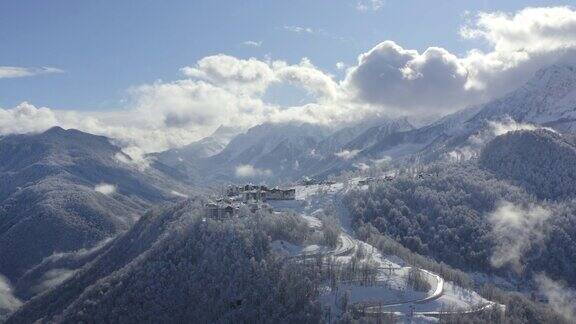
pixel 347 245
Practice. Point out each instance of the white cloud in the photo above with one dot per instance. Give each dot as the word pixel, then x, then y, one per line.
pixel 341 65
pixel 251 43
pixel 361 166
pixel 251 75
pixel 306 75
pixel 528 30
pixel 346 154
pixel 515 229
pixel 135 157
pixel 369 5
pixel 386 80
pixel 105 188
pixel 8 302
pixel 26 118
pixel 53 278
pixel 299 29
pixel 561 298
pixel 20 72
pixel 494 128
pixel 400 79
pixel 248 171
pixel 436 80
pixel 498 128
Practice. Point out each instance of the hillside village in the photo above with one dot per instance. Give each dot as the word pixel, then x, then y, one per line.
pixel 254 197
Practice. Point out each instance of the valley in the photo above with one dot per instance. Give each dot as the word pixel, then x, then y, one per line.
pixel 470 218
pixel 388 291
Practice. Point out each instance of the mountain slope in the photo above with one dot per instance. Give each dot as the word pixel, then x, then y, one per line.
pixel 272 149
pixel 63 190
pixel 183 163
pixel 541 161
pixel 548 99
pixel 171 264
pixel 288 151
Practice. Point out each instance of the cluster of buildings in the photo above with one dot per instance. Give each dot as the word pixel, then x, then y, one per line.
pixel 259 193
pixel 307 181
pixel 369 180
pixel 252 197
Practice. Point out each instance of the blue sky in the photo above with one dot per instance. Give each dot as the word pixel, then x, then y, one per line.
pixel 106 47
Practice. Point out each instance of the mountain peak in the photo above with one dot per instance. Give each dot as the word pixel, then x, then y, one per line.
pixel 554 75
pixel 55 130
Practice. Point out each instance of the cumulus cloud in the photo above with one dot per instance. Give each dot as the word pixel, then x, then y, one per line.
pixel 231 73
pixel 515 229
pixel 26 118
pixel 361 166
pixel 530 29
pixel 105 188
pixel 387 80
pixel 20 72
pixel 439 81
pixel 306 75
pixel 8 302
pixel 400 79
pixel 248 171
pixel 561 298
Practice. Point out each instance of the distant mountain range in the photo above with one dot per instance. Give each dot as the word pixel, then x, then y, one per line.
pixel 72 203
pixel 548 99
pixel 289 151
pixel 63 190
pixel 282 152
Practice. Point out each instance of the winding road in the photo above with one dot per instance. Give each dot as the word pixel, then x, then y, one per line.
pixel 347 245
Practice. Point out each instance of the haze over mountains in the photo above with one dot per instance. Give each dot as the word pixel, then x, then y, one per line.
pixel 350 161
pixel 75 245
pixel 289 151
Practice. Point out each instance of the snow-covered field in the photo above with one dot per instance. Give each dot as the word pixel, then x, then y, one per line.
pixel 390 293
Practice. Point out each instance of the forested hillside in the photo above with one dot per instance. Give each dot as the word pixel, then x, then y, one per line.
pixel 174 266
pixel 468 218
pixel 64 190
pixel 543 162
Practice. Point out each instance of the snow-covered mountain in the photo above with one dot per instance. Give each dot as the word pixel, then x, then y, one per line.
pixel 547 100
pixel 203 148
pixel 277 152
pixel 288 151
pixel 63 190
pixel 271 151
pixel 170 264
